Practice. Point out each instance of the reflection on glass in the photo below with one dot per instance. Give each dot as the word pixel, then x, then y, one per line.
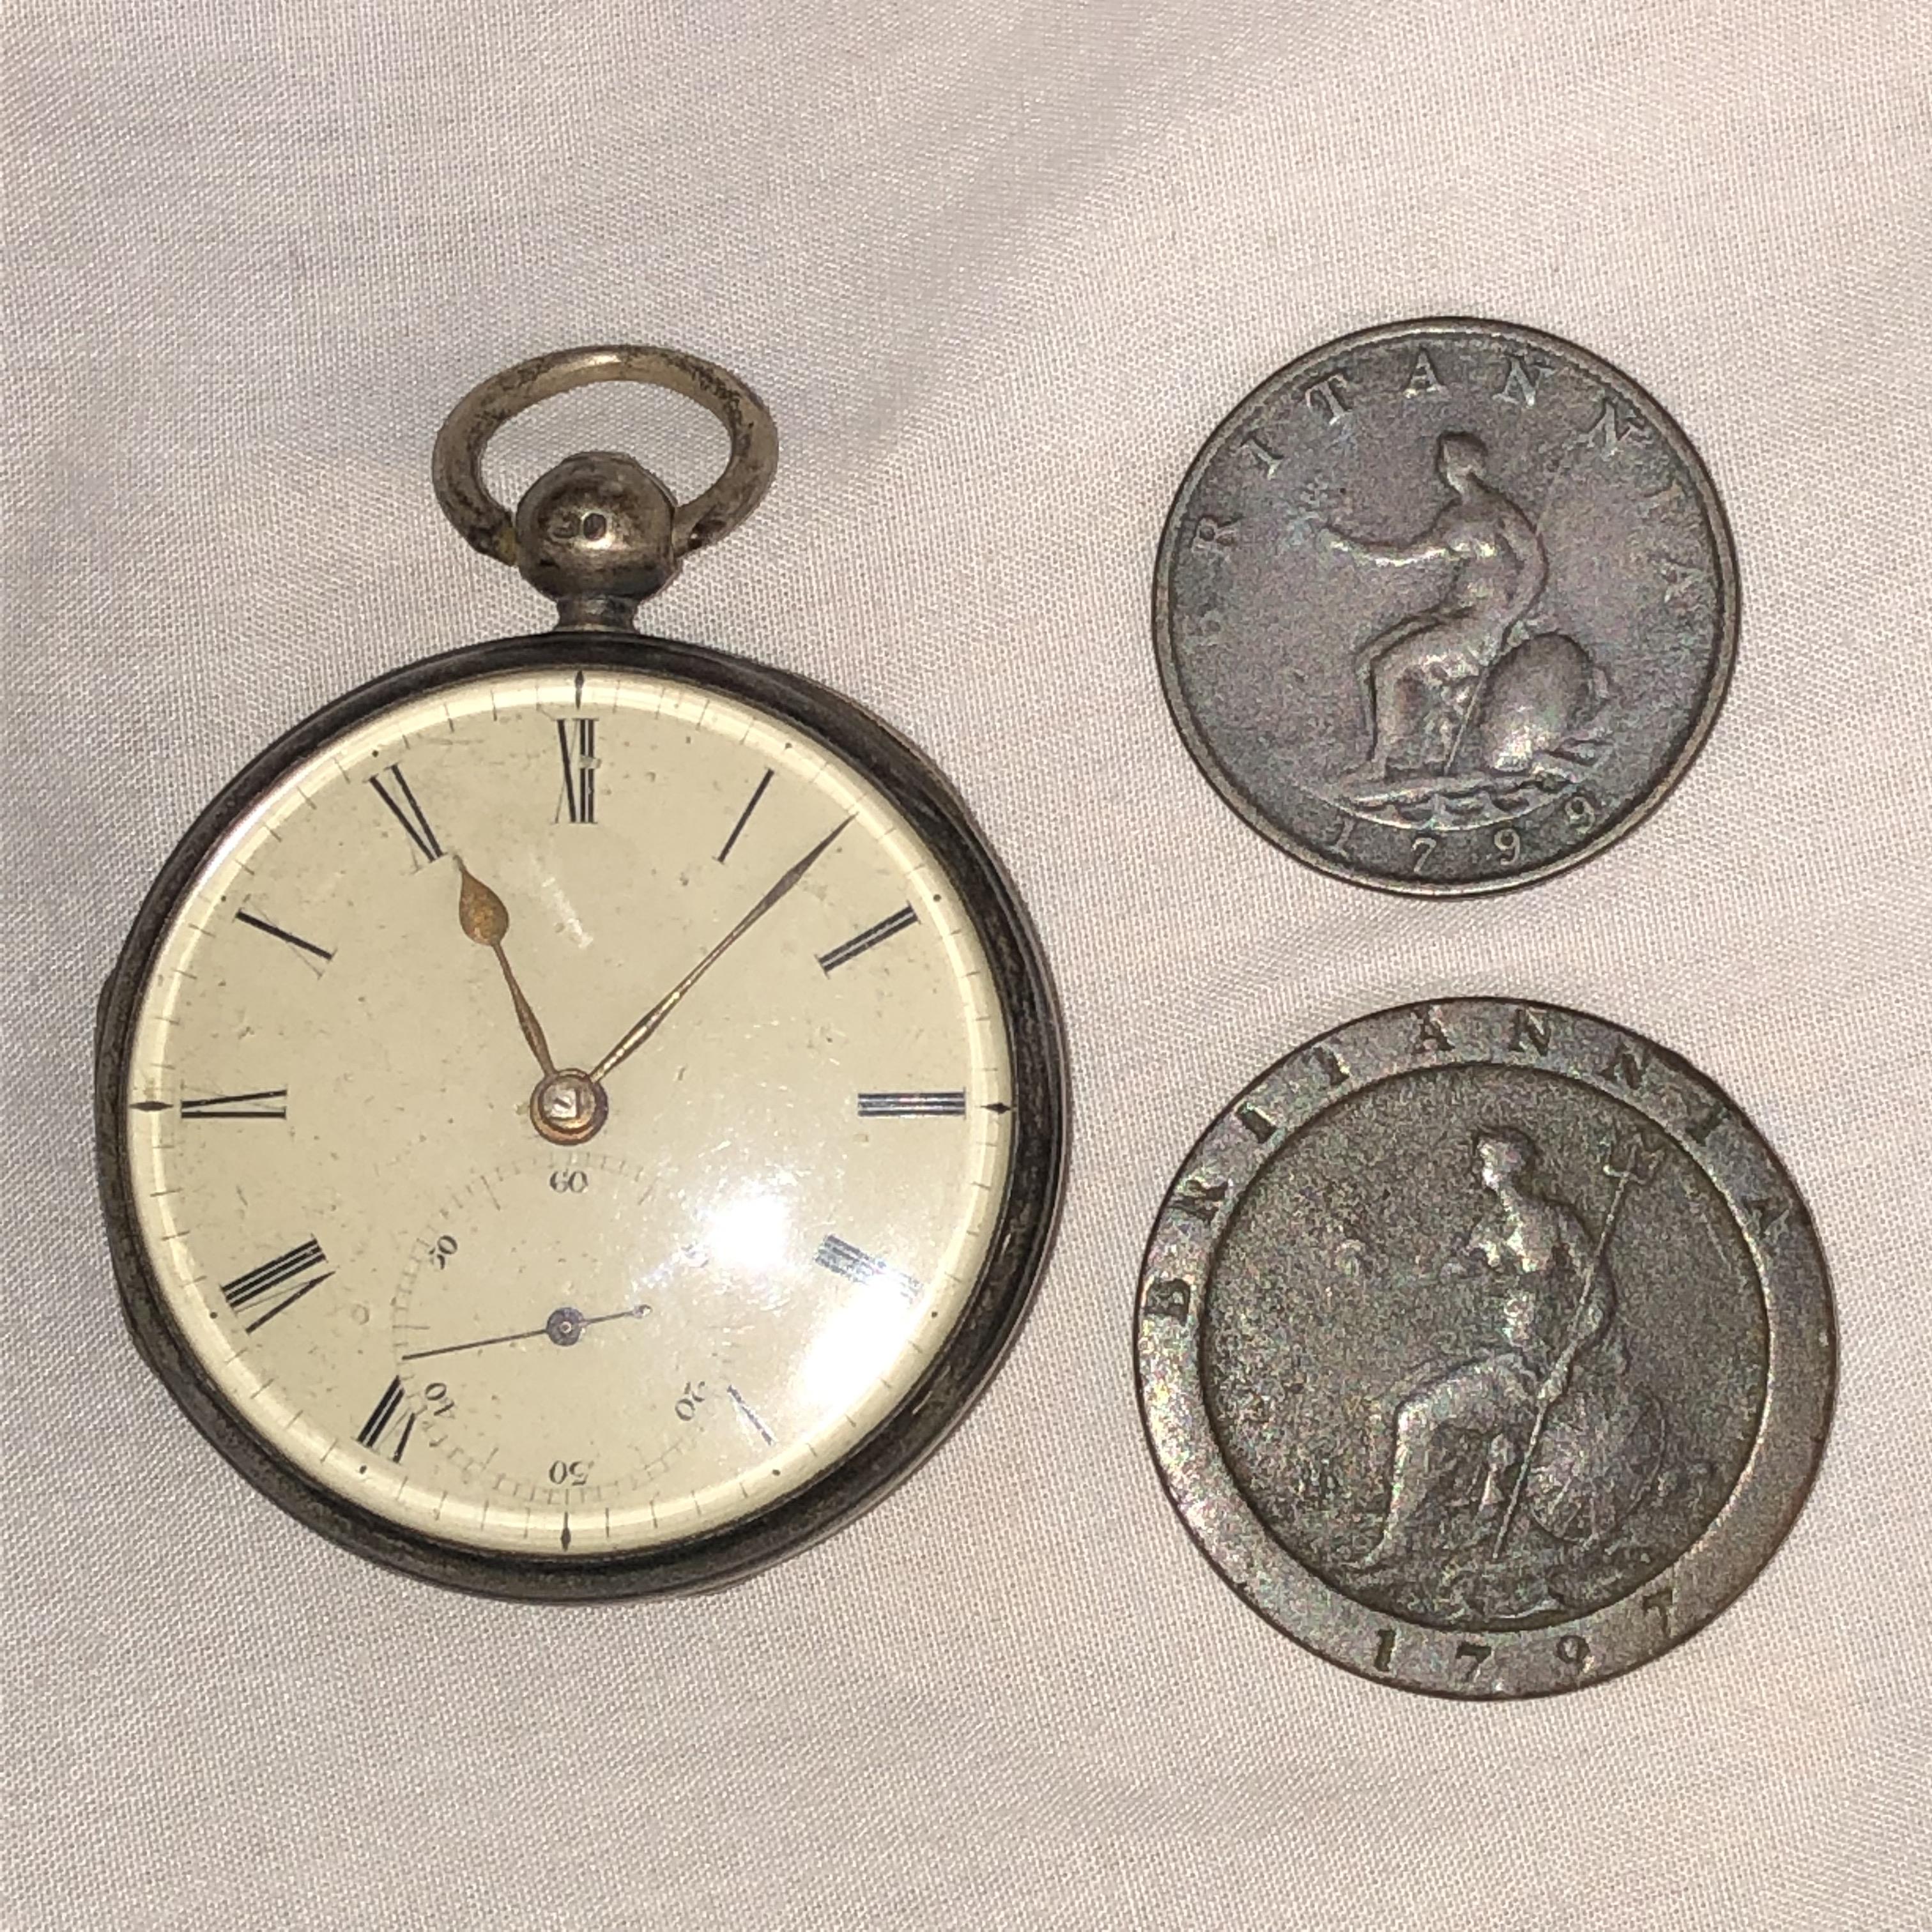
pixel 749 1232
pixel 856 1345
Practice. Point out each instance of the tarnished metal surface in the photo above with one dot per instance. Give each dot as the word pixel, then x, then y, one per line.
pixel 598 533
pixel 1485 1348
pixel 1445 607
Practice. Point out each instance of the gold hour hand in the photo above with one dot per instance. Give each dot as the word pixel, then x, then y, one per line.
pixel 486 920
pixel 656 1017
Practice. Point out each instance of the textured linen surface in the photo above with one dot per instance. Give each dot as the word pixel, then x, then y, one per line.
pixel 998 270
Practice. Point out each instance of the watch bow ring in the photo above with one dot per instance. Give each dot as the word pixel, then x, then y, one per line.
pixel 598 532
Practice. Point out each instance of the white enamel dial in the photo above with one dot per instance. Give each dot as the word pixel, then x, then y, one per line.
pixel 568 1112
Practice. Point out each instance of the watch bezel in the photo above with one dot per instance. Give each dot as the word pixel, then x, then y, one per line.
pixel 978 1340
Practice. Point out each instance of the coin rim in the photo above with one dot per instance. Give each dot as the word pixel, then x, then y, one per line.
pixel 1726 1556
pixel 1606 834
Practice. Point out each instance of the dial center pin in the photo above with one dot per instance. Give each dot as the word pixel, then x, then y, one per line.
pixel 568 1107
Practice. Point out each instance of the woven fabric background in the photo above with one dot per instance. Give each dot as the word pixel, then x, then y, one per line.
pixel 998 270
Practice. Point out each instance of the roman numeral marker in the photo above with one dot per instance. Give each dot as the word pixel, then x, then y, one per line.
pixel 245 1291
pixel 370 1434
pixel 580 766
pixel 855 1264
pixel 911 1106
pixel 744 816
pixel 750 1414
pixel 411 819
pixel 865 941
pixel 321 952
pixel 266 1105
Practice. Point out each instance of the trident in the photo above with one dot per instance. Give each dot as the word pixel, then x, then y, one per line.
pixel 1638 1165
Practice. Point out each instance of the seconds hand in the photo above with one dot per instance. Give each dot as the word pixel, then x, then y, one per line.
pixel 563 1327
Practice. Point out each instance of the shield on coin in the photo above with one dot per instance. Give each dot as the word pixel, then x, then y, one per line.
pixel 1596 1463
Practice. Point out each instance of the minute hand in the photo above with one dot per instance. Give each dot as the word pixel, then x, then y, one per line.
pixel 656 1017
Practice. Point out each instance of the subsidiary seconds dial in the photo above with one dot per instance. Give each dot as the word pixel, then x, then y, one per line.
pixel 568 1104
pixel 497 1268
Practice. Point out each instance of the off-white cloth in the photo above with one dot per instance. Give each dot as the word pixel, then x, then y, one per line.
pixel 998 270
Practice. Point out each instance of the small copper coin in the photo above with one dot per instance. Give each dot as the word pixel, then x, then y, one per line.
pixel 1445 607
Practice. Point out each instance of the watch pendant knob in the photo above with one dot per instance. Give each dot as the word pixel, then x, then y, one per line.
pixel 595 534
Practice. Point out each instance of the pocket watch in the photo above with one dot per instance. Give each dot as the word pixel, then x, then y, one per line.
pixel 583 1115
